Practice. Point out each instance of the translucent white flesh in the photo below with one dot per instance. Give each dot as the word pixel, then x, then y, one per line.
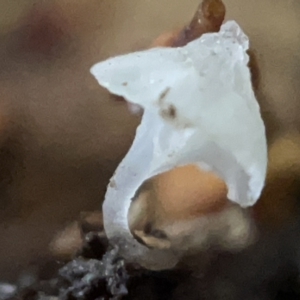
pixel 199 108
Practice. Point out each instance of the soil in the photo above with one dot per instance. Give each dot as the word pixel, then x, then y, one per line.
pixel 97 272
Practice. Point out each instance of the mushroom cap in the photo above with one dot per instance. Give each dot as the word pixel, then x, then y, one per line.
pixel 200 109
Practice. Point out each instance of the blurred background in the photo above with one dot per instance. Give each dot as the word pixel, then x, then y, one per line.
pixel 62 136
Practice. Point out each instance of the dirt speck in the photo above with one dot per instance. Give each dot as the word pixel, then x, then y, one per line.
pixel 163 95
pixel 169 113
pixel 112 183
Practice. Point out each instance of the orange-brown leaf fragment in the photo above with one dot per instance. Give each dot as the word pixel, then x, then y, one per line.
pixel 208 18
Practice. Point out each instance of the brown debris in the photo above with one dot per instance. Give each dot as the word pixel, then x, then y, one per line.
pixel 67 242
pixel 91 221
pixel 163 95
pixel 169 113
pixel 152 241
pixel 208 18
pixel 70 240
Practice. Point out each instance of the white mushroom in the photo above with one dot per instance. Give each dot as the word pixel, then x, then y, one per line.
pixel 199 108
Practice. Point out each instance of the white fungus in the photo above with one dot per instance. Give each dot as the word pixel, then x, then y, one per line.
pixel 199 108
